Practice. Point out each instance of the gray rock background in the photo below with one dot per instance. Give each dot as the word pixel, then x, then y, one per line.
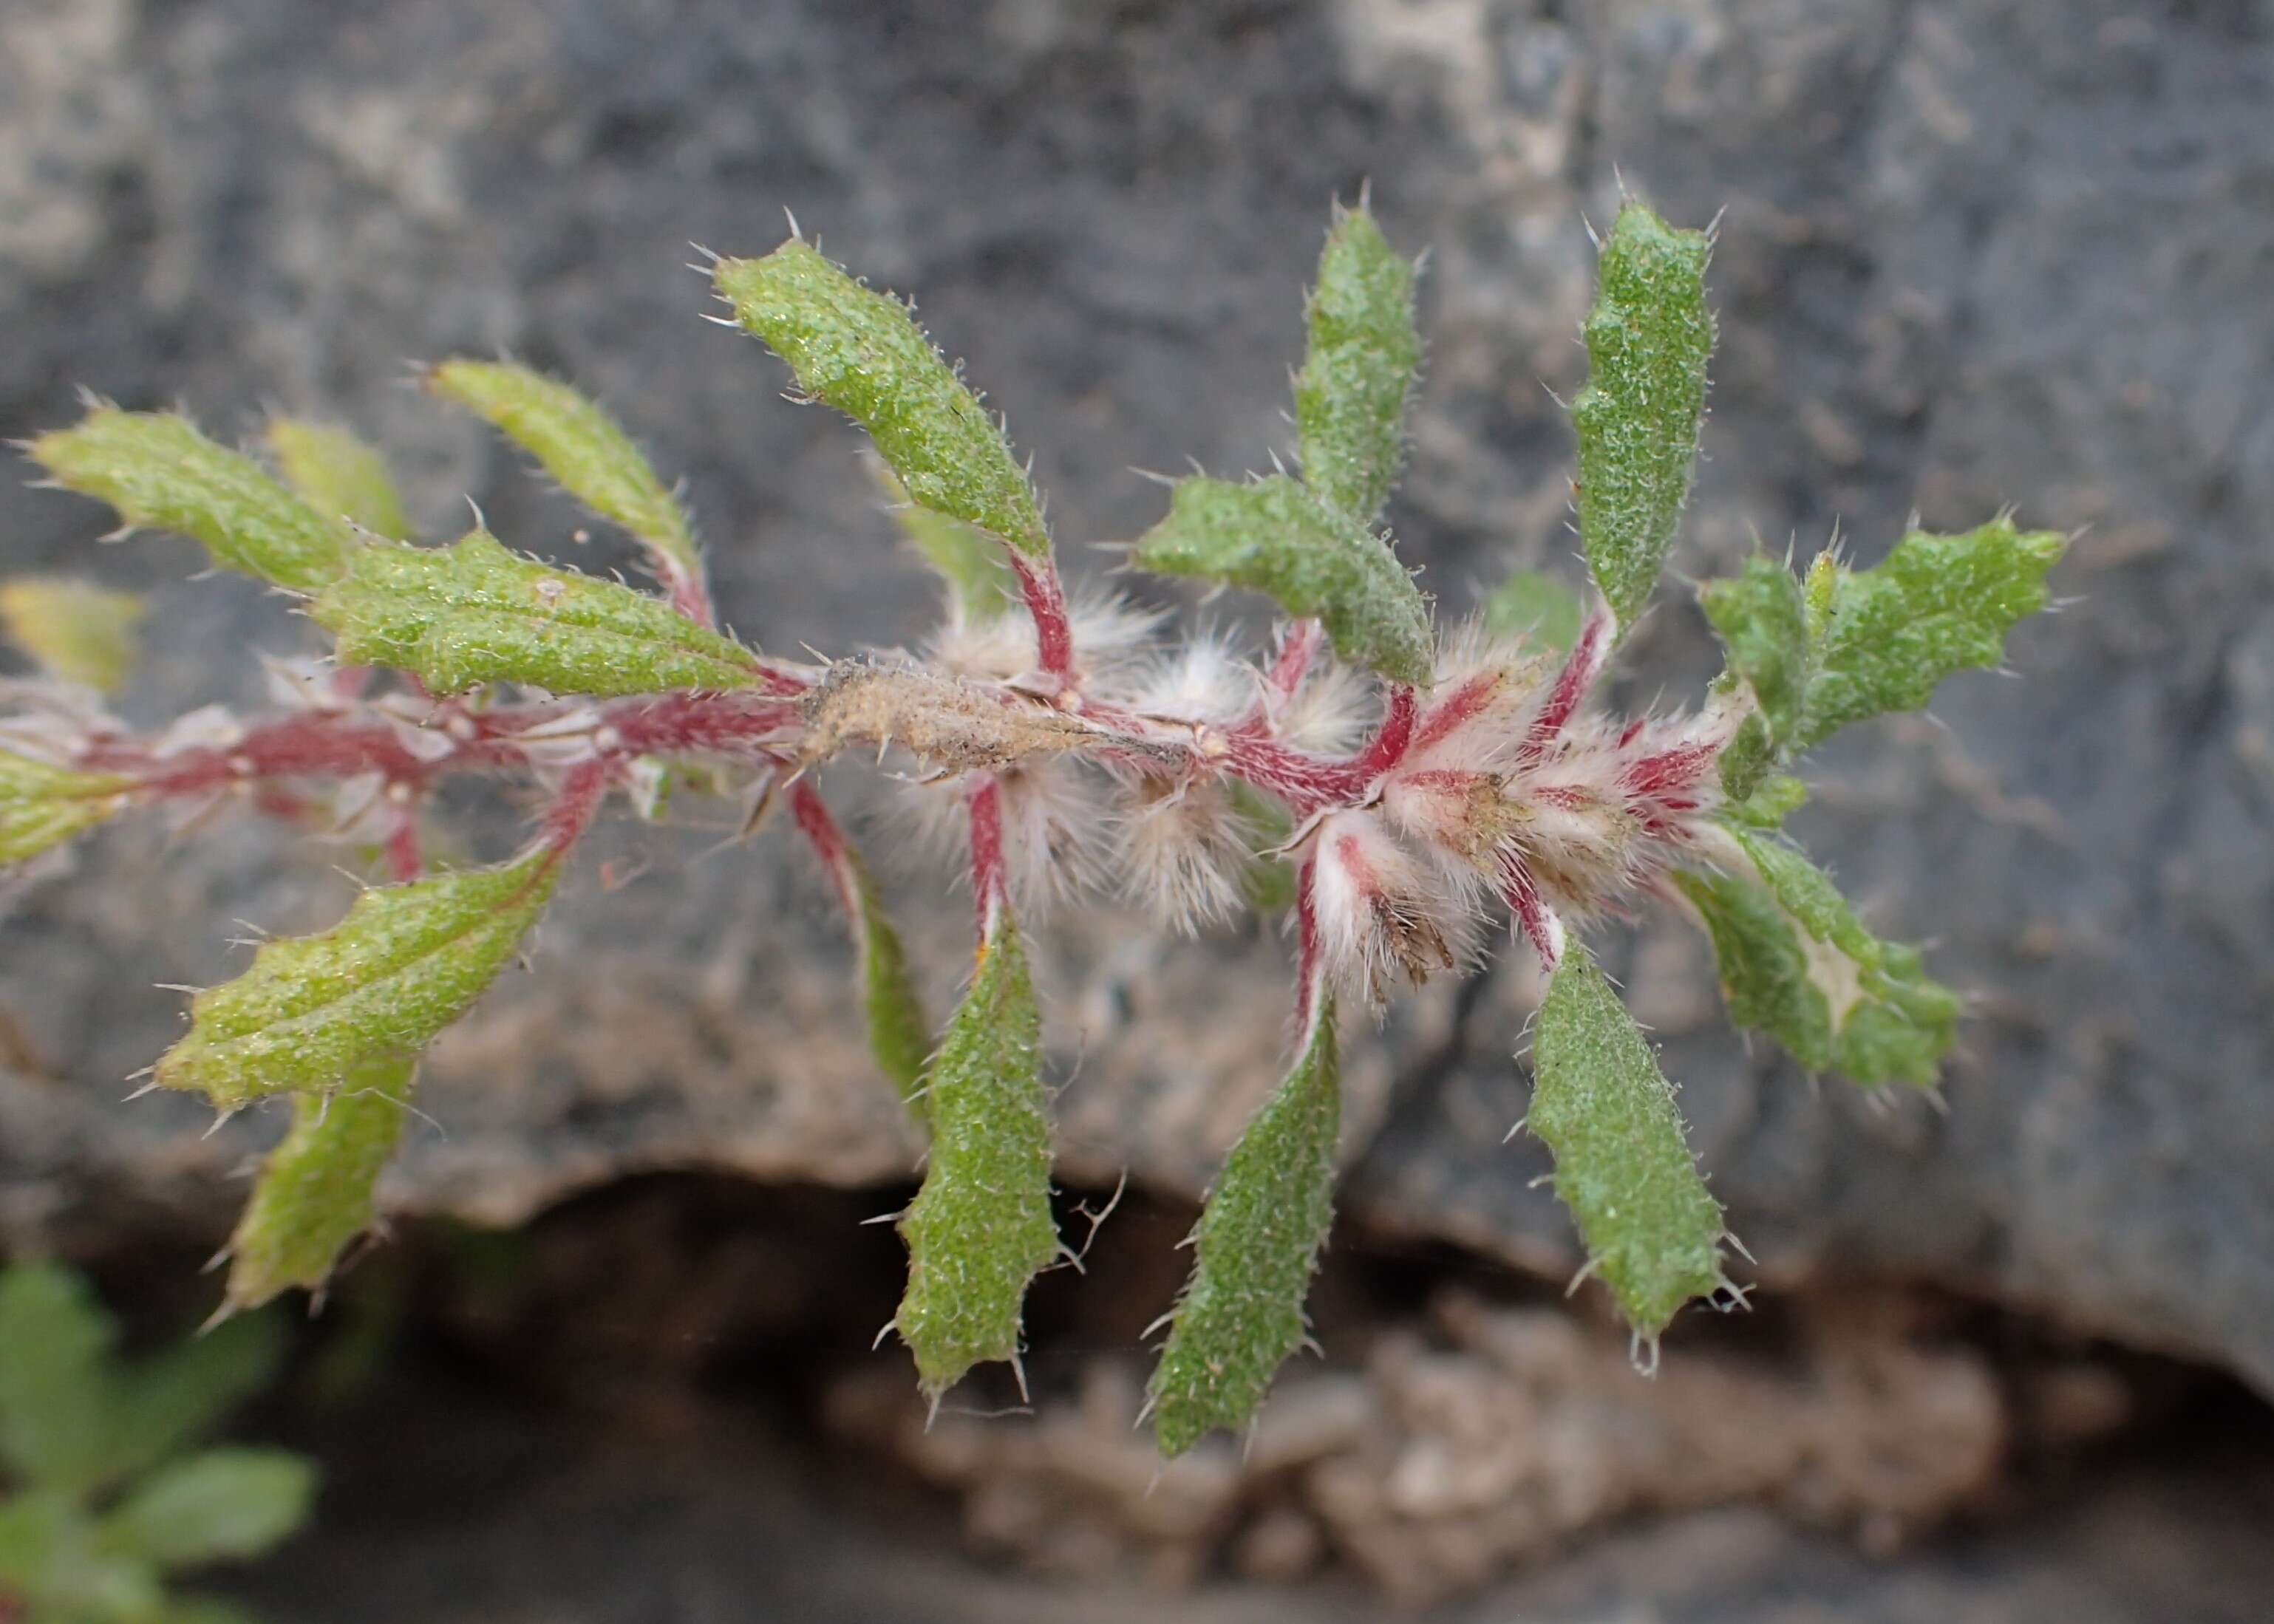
pixel 1972 253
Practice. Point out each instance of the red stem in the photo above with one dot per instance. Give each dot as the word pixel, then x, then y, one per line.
pixel 1045 596
pixel 572 810
pixel 989 883
pixel 829 844
pixel 1293 663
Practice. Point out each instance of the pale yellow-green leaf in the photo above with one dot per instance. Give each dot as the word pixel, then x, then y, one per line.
pixel 76 630
pixel 339 475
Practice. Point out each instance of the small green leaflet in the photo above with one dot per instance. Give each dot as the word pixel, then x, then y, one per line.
pixel 582 446
pixel 76 1420
pixel 863 353
pixel 1242 1313
pixel 968 559
pixel 1938 604
pixel 54 1391
pixel 1763 625
pixel 314 1197
pixel 475 612
pixel 77 631
pixel 405 962
pixel 1798 964
pixel 338 475
pixel 1848 645
pixel 1350 397
pixel 164 1402
pixel 158 472
pixel 981 1227
pixel 53 1561
pixel 1648 339
pixel 898 1033
pixel 43 806
pixel 225 1505
pixel 1276 537
pixel 1621 1164
pixel 1534 605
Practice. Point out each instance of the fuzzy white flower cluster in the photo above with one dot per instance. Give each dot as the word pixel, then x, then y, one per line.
pixel 1495 788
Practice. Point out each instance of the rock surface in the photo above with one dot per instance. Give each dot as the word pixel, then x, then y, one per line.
pixel 1971 253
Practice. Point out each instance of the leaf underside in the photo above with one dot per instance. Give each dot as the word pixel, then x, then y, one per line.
pixel 981 1227
pixel 405 962
pixel 863 353
pixel 1257 1243
pixel 475 612
pixel 1274 536
pixel 1623 1165
pixel 1648 339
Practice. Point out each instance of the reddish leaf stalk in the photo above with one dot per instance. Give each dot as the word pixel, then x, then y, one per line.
pixel 990 878
pixel 1045 596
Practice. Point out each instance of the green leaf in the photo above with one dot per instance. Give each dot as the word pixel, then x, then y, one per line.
pixel 1648 338
pixel 338 475
pixel 315 1196
pixel 899 1033
pixel 1938 604
pixel 56 1344
pixel 475 612
pixel 1621 1164
pixel 967 558
pixel 53 1558
pixel 1796 963
pixel 981 1227
pixel 43 806
pixel 582 446
pixel 35 1528
pixel 75 630
pixel 405 962
pixel 158 472
pixel 1279 538
pixel 1241 1314
pixel 863 353
pixel 1764 626
pixel 225 1505
pixel 1350 397
pixel 1535 605
pixel 168 1400
pixel 1772 800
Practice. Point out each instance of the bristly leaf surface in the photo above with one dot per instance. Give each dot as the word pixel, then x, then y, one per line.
pixel 1350 397
pixel 863 352
pixel 581 446
pixel 1796 963
pixel 405 962
pixel 158 472
pixel 1648 339
pixel 981 1227
pixel 1274 536
pixel 1623 1167
pixel 1938 604
pixel 315 1194
pixel 1255 1247
pixel 475 612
